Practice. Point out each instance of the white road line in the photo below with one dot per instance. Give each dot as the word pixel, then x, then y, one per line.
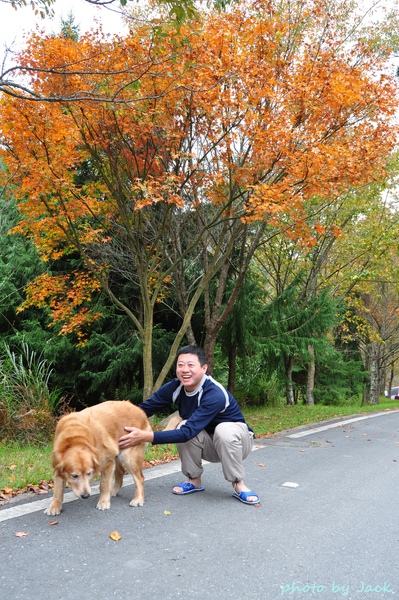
pixel 339 424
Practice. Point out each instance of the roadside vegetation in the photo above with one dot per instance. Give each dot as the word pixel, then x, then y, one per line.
pixel 30 408
pixel 27 467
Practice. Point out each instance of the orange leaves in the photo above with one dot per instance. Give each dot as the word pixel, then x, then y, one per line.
pixel 154 190
pixel 336 231
pixel 236 102
pixel 319 229
pixel 68 298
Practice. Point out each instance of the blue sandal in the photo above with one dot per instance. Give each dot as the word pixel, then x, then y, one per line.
pixel 187 488
pixel 243 497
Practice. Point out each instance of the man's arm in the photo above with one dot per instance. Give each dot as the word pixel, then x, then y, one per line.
pixel 160 400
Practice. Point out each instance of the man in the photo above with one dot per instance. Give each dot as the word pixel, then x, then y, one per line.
pixel 213 427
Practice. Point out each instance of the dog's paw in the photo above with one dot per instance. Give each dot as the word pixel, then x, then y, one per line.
pixel 137 502
pixel 53 510
pixel 103 505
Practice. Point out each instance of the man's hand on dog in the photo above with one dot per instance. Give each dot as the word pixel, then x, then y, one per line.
pixel 134 437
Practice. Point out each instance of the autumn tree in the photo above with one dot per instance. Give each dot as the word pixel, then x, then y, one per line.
pixel 371 282
pixel 377 333
pixel 298 274
pixel 294 221
pixel 216 132
pixel 353 243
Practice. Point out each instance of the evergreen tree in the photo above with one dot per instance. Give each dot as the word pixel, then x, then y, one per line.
pixel 69 28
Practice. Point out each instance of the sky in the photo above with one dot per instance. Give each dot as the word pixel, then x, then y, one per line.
pixel 14 23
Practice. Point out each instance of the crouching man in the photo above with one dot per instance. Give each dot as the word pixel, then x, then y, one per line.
pixel 212 426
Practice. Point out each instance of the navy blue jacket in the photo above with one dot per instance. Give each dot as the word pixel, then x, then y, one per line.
pixel 205 408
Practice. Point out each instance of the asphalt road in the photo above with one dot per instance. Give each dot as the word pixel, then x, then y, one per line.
pixel 334 534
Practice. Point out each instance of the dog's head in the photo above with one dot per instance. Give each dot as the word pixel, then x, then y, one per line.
pixel 77 465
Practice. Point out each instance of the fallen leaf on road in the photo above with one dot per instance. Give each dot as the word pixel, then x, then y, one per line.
pixel 115 536
pixel 166 512
pixel 261 465
pixel 21 534
pixel 54 523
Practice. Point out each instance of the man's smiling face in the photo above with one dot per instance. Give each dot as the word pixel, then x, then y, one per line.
pixel 189 371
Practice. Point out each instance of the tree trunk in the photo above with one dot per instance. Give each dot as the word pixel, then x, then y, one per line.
pixel 390 381
pixel 216 313
pixel 209 349
pixel 181 333
pixel 289 393
pixel 311 376
pixel 147 355
pixel 371 395
pixel 232 368
pixel 374 379
pixel 366 390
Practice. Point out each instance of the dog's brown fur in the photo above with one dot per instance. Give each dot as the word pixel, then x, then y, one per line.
pixel 86 444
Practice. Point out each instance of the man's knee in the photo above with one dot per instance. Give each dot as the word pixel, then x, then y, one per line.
pixel 228 433
pixel 235 436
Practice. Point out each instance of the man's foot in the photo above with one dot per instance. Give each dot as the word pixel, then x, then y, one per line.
pixel 243 493
pixel 188 487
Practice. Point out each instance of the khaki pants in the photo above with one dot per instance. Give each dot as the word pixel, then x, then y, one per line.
pixel 230 445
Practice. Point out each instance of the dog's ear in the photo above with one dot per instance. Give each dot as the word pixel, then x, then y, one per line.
pixel 96 466
pixel 57 464
pixel 56 461
pixel 95 458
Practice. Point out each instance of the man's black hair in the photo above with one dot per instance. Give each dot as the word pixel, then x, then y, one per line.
pixel 191 349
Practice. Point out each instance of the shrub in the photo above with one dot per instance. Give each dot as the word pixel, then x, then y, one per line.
pixel 27 405
pixel 255 387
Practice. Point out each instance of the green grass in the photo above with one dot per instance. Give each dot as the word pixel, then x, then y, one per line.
pixel 22 466
pixel 26 467
pixel 265 421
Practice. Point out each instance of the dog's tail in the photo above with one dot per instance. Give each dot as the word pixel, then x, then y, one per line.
pixel 172 421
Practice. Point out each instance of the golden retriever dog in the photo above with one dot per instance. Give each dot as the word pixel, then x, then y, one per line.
pixel 86 444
